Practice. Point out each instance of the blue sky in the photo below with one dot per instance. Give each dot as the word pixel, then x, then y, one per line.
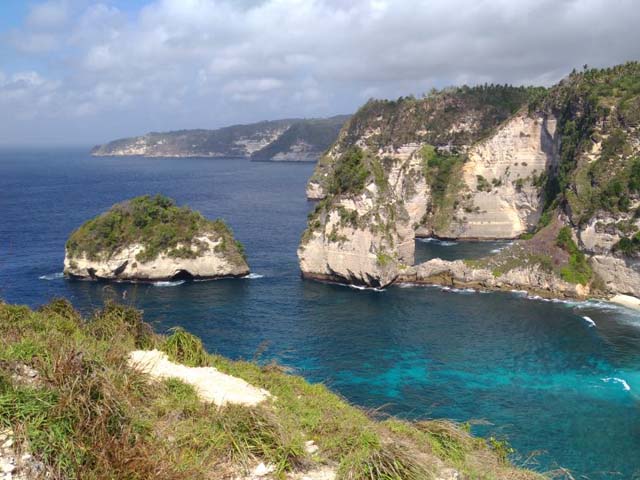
pixel 84 71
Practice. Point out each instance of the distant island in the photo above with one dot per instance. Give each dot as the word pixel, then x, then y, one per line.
pixel 150 238
pixel 301 140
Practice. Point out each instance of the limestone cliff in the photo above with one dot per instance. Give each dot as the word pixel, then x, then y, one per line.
pixel 416 169
pixel 150 238
pixel 496 162
pixel 290 139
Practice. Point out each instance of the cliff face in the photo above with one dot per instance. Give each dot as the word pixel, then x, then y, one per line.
pixel 291 140
pixel 149 238
pixel 209 262
pixel 496 162
pixel 500 198
pixel 450 120
pixel 413 164
pixel 360 240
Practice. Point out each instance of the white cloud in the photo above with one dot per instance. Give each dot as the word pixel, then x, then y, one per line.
pixel 50 14
pixel 188 63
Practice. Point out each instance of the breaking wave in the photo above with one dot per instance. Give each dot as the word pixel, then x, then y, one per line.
pixel 52 276
pixel 621 381
pixel 436 241
pixel 168 284
pixel 253 276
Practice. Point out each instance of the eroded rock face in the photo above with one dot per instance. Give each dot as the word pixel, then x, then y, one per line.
pixel 358 242
pixel 500 198
pixel 509 161
pixel 458 274
pixel 620 276
pixel 209 263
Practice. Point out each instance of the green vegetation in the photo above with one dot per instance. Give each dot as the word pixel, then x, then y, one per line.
pixel 384 259
pixel 578 270
pixel 629 246
pixel 158 224
pixel 483 185
pixel 350 172
pixel 317 133
pixel 348 217
pixel 435 113
pixel 597 105
pixel 442 174
pixel 87 415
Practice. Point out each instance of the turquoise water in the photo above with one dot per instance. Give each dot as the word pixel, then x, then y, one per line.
pixel 533 372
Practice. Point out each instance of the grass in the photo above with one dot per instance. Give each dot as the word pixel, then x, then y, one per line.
pixel 578 270
pixel 350 172
pixel 158 224
pixel 89 416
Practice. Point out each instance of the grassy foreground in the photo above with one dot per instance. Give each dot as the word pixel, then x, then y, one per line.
pixel 88 415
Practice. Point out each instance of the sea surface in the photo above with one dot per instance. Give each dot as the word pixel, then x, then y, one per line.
pixel 559 381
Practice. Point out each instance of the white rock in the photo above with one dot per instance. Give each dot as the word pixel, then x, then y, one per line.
pixel 7 465
pixel 262 470
pixel 211 384
pixel 310 447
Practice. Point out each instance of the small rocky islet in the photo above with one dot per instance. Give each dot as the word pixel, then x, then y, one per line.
pixel 557 170
pixel 150 238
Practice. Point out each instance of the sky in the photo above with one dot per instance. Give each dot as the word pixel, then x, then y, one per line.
pixel 86 72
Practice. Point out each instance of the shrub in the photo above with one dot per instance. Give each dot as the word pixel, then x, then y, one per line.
pixel 578 269
pixel 438 170
pixel 350 172
pixel 483 185
pixel 155 222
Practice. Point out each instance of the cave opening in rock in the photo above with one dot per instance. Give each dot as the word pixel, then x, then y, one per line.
pixel 182 275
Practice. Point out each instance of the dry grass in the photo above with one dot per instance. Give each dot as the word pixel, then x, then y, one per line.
pixel 90 416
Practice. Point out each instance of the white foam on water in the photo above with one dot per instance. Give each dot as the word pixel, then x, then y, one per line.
pixel 253 276
pixel 168 284
pixel 360 287
pixel 520 292
pixel 442 243
pixel 52 276
pixel 621 381
pixel 589 321
pixel 464 290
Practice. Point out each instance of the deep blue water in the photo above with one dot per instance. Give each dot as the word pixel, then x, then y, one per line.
pixel 530 371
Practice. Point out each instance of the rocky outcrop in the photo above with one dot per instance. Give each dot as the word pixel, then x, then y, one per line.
pixel 279 140
pixel 149 239
pixel 431 190
pixel 620 276
pixel 209 262
pixel 483 163
pixel 358 241
pixel 461 275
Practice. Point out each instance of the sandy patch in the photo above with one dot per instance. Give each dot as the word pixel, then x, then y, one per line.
pixel 211 384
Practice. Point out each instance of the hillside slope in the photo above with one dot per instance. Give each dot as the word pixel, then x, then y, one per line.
pixel 76 404
pixel 483 163
pixel 289 139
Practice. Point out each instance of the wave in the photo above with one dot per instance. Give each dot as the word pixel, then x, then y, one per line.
pixel 168 284
pixel 360 287
pixel 501 248
pixel 460 290
pixel 621 381
pixel 52 276
pixel 436 241
pixel 589 321
pixel 253 276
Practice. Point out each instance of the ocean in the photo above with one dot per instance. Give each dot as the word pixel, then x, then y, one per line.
pixel 559 380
